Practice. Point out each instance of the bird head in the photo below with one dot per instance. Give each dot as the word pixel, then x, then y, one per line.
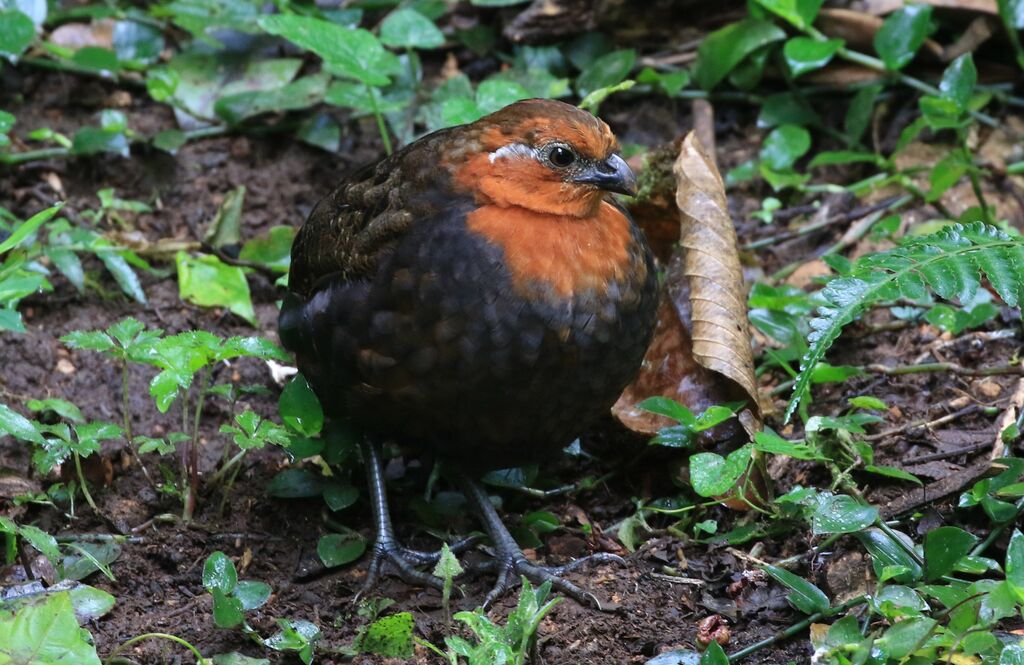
pixel 545 156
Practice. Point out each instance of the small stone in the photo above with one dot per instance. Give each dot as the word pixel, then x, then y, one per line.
pixel 64 366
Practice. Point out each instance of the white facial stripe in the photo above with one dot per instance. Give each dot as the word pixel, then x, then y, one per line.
pixel 513 151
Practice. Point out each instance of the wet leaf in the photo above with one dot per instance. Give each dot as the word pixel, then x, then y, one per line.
pixel 407 28
pixel 900 640
pixel 714 475
pixel 721 51
pixel 251 594
pixel 886 553
pixel 299 407
pixel 209 282
pixel 714 655
pixel 16 32
pixel 842 514
pixel 606 71
pixel 943 548
pixel 45 630
pixel 18 426
pixel 219 573
pixel 784 145
pixel 902 33
pixel 804 54
pixel 801 13
pixel 337 549
pixel 805 596
pixel 299 94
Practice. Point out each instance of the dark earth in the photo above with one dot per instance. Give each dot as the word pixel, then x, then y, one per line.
pixel 158 575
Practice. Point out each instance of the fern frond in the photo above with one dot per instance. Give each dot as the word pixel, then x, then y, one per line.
pixel 949 263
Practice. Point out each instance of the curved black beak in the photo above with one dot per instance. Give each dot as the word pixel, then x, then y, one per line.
pixel 611 175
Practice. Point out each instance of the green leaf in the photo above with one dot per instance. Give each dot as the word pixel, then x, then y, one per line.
pixel 806 597
pixel 714 655
pixel 295 484
pixel 123 274
pixel 137 44
pixel 272 249
pixel 206 281
pixel 62 408
pixel 18 426
pixel 1012 654
pixel 300 94
pixel 943 548
pixel 721 51
pixel 299 407
pixel 606 71
pixel 355 53
pixel 495 94
pixel 235 658
pixel 45 631
pixel 322 131
pixel 784 145
pixel 770 442
pixel 407 28
pixel 1014 565
pixel 219 573
pixel 713 475
pixel 858 115
pixel 94 140
pixel 905 637
pixel 668 407
pixel 950 262
pixel 958 81
pixel 339 496
pixel 804 54
pixel 252 594
pixel 28 227
pixel 227 610
pixel 90 603
pixel 841 514
pixel 892 472
pixel 389 636
pixel 42 541
pixel 103 61
pixel 338 549
pixel 886 553
pixel 902 33
pixel 594 99
pixel 801 13
pixel 16 32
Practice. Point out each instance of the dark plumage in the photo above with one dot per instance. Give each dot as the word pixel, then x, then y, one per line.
pixel 475 295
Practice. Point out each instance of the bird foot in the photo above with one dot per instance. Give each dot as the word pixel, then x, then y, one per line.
pixel 390 558
pixel 513 564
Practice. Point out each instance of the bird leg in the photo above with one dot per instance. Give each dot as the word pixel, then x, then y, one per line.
pixel 387 555
pixel 510 562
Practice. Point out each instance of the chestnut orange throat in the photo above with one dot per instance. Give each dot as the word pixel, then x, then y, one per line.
pixel 569 254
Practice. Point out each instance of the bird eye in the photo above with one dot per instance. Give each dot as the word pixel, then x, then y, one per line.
pixel 561 156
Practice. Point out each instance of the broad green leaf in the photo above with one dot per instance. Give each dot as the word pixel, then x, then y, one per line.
pixel 299 407
pixel 858 115
pixel 123 274
pixel 495 94
pixel 801 13
pixel 887 553
pixel 295 484
pixel 16 32
pixel 1014 566
pixel 227 610
pixel 805 596
pixel 90 603
pixel 606 71
pixel 272 249
pixel 943 548
pixel 322 131
pixel 337 549
pixel 355 53
pixel 299 94
pixel 219 573
pixel 905 637
pixel 252 594
pixel 721 51
pixel 841 514
pixel 665 406
pixel 714 475
pixel 41 541
pixel 206 281
pixel 45 631
pixel 804 54
pixel 407 28
pixel 137 43
pixel 714 655
pixel 235 658
pixel 94 140
pixel 338 495
pixel 902 33
pixel 958 81
pixel 18 426
pixel 62 408
pixel 784 145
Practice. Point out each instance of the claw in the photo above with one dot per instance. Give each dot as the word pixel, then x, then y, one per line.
pixel 511 563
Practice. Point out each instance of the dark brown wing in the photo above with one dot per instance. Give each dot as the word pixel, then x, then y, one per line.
pixel 351 228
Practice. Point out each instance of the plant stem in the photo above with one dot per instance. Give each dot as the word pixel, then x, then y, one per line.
pixel 895 537
pixel 161 636
pixel 193 446
pixel 381 125
pixel 81 481
pixel 795 628
pixel 955 368
pixel 128 424
pixel 14 158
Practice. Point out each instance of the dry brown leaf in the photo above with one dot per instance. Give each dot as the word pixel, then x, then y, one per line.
pixel 858 29
pixel 691 358
pixel 721 336
pixel 79 35
pixel 882 7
